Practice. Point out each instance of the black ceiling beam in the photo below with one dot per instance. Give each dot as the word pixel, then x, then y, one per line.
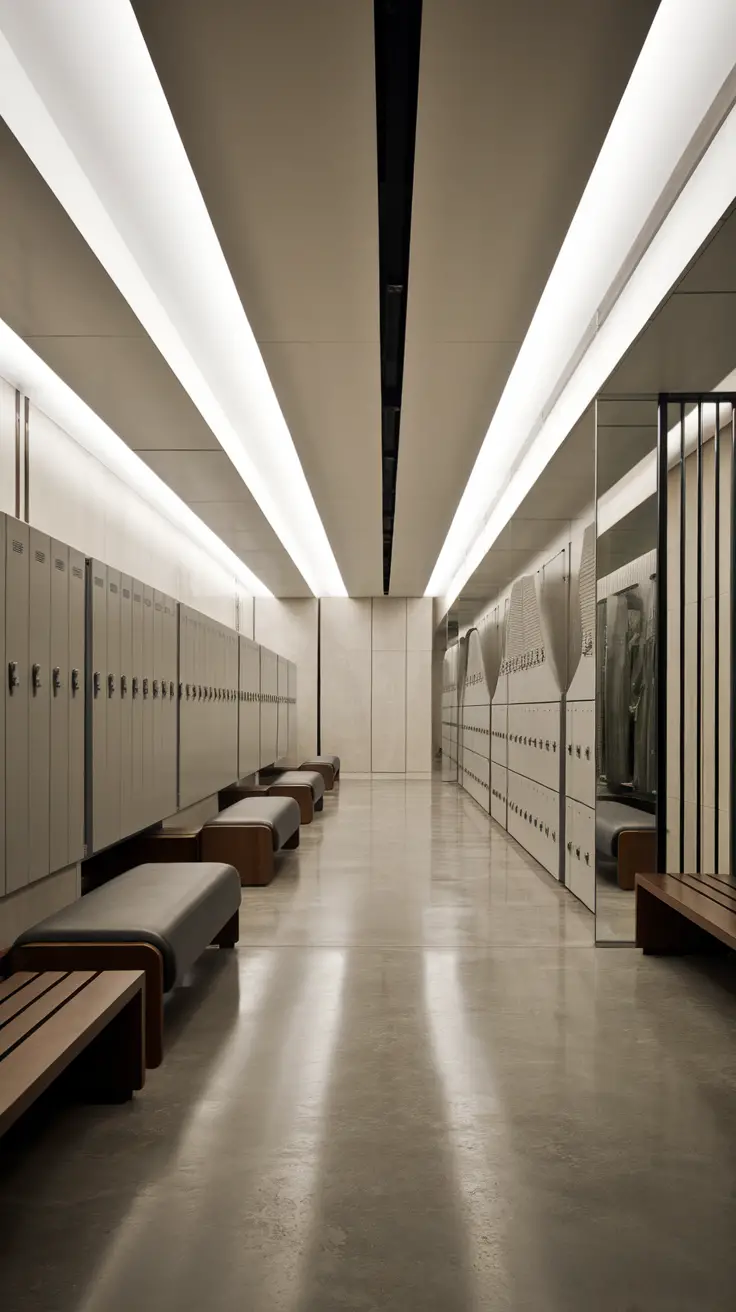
pixel 397 37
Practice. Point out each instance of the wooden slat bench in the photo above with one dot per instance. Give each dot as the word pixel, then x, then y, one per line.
pixel 51 1020
pixel 684 913
pixel 158 918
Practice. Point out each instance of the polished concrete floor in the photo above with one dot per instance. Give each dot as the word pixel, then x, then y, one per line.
pixel 416 1086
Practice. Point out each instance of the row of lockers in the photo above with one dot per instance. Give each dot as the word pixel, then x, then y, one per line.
pixel 534 820
pixel 580 851
pixel 533 742
pixel 499 788
pixel 119 706
pixel 132 691
pixel 42 717
pixel 475 777
pixel 580 762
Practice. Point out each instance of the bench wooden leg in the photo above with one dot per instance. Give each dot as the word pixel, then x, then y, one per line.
pixel 107 956
pixel 249 848
pixel 230 932
pixel 301 794
pixel 662 931
pixel 293 842
pixel 113 1066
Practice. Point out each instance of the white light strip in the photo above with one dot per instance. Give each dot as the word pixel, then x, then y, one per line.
pixel 79 91
pixel 652 133
pixel 26 371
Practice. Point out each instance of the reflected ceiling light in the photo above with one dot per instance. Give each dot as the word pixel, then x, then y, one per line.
pixel 80 92
pixel 664 177
pixel 26 371
pixel 640 482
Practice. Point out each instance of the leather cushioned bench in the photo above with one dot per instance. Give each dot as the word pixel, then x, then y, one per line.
pixel 158 918
pixel 327 766
pixel 248 832
pixel 307 787
pixel 625 840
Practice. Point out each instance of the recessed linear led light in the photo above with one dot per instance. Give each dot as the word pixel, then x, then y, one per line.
pixel 80 92
pixel 23 369
pixel 651 200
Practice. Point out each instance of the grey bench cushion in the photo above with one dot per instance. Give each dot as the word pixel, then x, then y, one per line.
pixel 311 777
pixel 611 819
pixel 280 814
pixel 334 761
pixel 179 907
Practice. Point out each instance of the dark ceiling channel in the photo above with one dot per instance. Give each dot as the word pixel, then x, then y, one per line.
pixel 398 30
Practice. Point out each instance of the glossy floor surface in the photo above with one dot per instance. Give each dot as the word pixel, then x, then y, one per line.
pixel 416 1086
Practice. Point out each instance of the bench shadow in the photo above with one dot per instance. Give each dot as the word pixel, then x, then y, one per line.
pixel 70 1172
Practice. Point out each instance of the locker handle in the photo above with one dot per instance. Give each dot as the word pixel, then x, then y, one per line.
pixel 13 676
pixel 123 685
pixel 56 679
pixel 75 680
pixel 577 853
pixel 587 753
pixel 135 685
pixel 171 687
pixel 569 846
pixel 164 688
pixel 36 677
pixel 577 751
pixel 145 687
pixel 181 690
pixel 111 685
pixel 569 749
pixel 155 687
pixel 96 683
pixel 587 858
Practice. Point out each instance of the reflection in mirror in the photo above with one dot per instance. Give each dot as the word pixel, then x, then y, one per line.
pixel 626 570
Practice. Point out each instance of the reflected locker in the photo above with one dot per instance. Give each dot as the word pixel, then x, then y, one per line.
pixel 59 746
pixel 39 726
pixel 17 681
pixel 76 703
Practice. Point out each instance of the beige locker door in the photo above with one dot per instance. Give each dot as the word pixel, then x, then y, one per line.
pixel 98 785
pixel 149 808
pixel 59 729
pixel 186 704
pixel 158 706
pixel 170 694
pixel 76 684
pixel 127 801
pixel 114 718
pixel 3 695
pixel 39 722
pixel 136 706
pixel 17 685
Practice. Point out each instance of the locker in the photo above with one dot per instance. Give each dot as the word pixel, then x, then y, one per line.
pixel 148 804
pixel 114 717
pixel 59 721
pixel 127 798
pixel 282 730
pixel 76 689
pixel 17 683
pixel 39 721
pixel 183 707
pixel 269 723
pixel 232 704
pixel 3 667
pixel 97 783
pixel 250 713
pixel 498 794
pixel 293 733
pixel 157 706
pixel 136 706
pixel 170 703
pixel 580 852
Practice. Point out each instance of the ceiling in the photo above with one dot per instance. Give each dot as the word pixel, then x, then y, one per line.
pixel 275 105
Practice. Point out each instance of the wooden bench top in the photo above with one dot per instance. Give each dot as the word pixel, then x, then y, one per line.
pixel 708 901
pixel 48 1019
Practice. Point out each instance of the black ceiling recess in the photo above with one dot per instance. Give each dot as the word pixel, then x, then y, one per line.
pixel 398 28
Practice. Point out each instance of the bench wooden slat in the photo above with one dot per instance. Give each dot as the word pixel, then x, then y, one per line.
pixel 722 883
pixel 16 1030
pixel 17 981
pixel 34 988
pixel 37 1061
pixel 700 885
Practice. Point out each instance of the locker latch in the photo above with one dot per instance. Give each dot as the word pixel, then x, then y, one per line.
pixel 587 858
pixel 56 679
pixel 111 685
pixel 96 683
pixel 155 687
pixel 36 677
pixel 577 853
pixel 123 685
pixel 171 687
pixel 569 749
pixel 164 688
pixel 135 685
pixel 13 676
pixel 145 687
pixel 75 680
pixel 587 753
